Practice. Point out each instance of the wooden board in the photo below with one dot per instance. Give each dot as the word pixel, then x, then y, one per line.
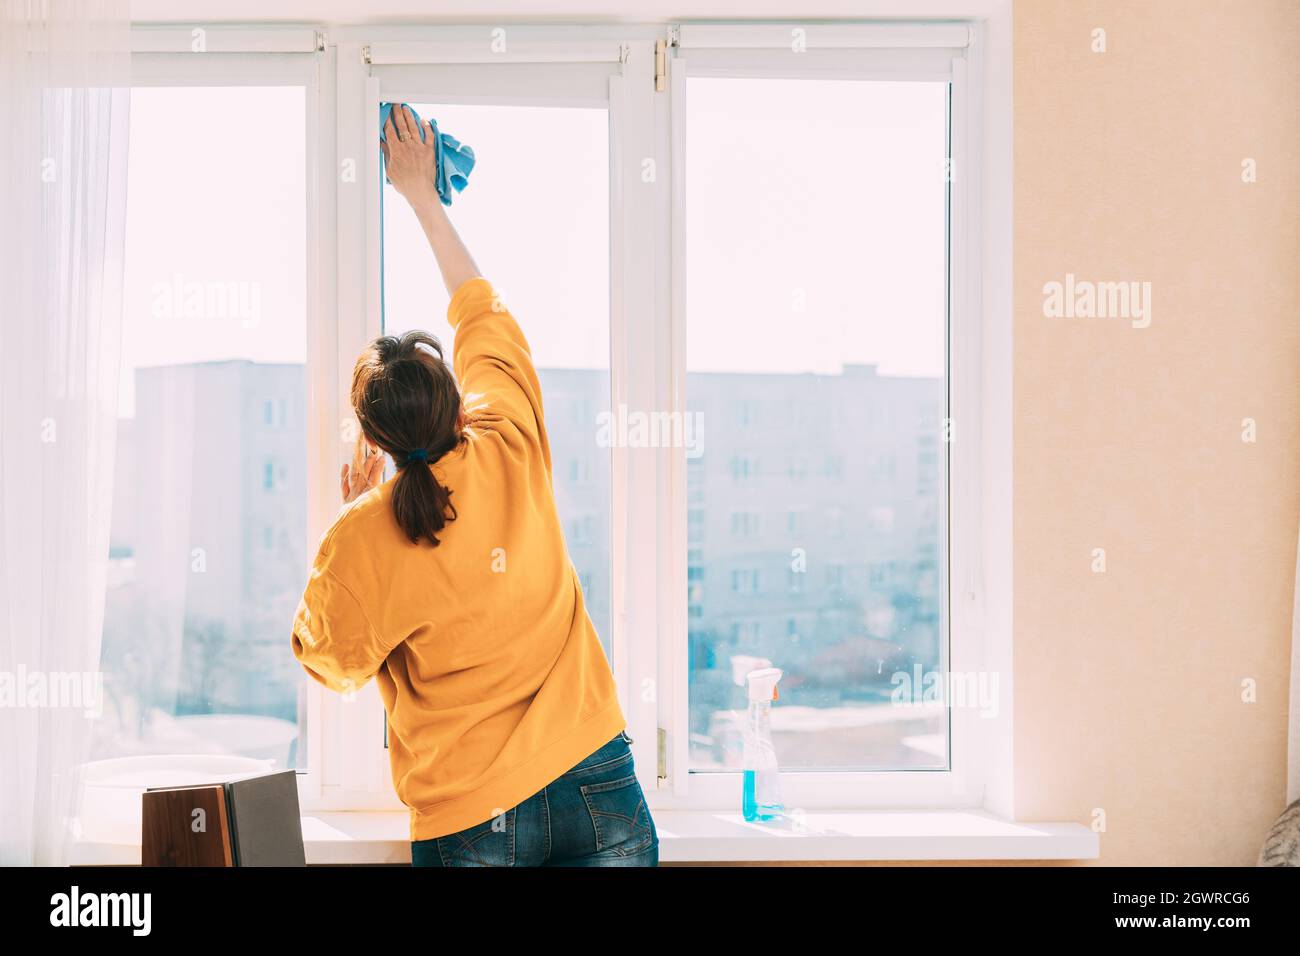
pixel 187 826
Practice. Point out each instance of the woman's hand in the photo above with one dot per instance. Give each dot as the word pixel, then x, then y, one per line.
pixel 412 168
pixel 365 472
pixel 411 161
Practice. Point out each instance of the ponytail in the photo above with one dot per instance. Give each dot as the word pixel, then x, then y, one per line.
pixel 421 503
pixel 409 405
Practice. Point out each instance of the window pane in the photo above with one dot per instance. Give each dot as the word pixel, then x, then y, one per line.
pixel 816 352
pixel 537 222
pixel 208 541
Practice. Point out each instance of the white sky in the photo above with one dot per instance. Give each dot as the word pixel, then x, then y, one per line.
pixel 535 216
pixel 826 193
pixel 829 190
pixel 216 194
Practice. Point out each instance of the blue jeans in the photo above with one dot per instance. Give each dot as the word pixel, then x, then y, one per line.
pixel 594 815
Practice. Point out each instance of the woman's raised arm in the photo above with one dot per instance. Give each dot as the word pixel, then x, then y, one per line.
pixel 412 166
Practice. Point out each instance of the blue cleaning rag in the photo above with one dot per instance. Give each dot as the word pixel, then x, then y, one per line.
pixel 455 160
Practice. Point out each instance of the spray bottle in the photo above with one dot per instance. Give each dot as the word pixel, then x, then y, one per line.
pixel 762 793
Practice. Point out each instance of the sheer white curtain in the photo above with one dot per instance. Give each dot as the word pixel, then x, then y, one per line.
pixel 64 100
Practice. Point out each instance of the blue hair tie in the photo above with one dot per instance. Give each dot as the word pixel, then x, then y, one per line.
pixel 420 454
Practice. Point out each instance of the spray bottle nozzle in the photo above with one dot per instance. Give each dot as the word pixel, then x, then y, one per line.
pixel 762 683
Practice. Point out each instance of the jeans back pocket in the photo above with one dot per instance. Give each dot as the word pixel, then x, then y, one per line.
pixel 487 844
pixel 619 815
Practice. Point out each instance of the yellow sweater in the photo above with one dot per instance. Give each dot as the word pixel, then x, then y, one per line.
pixel 490 670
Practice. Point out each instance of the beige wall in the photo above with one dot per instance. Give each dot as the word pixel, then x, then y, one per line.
pixel 1128 166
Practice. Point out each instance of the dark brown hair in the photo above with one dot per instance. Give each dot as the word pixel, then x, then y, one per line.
pixel 409 405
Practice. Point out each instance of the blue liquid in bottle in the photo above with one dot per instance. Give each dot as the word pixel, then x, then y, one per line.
pixel 761 788
pixel 751 809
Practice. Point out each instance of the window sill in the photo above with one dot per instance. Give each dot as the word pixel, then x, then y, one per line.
pixel 697 836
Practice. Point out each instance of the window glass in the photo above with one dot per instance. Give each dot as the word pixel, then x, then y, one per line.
pixel 536 219
pixel 816 217
pixel 208 540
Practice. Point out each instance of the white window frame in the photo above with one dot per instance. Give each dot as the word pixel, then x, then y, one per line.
pixel 545 66
pixel 275 56
pixel 935 51
pixel 349 71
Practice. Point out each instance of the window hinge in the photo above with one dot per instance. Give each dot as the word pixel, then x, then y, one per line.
pixel 624 50
pixel 365 54
pixel 662 770
pixel 320 41
pixel 661 57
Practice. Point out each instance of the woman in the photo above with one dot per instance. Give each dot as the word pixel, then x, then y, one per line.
pixel 451 583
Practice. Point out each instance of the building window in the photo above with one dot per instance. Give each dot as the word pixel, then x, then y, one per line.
pixel 744 524
pixel 582 531
pixel 744 468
